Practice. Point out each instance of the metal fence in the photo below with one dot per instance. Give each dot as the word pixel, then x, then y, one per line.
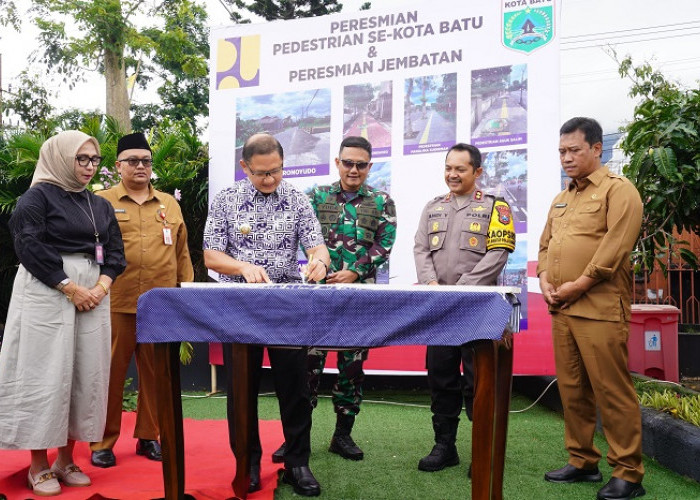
pixel 679 288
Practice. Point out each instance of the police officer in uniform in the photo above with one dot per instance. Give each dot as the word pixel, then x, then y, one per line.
pixel 463 238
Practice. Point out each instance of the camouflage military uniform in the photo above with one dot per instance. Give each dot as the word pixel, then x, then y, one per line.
pixel 359 234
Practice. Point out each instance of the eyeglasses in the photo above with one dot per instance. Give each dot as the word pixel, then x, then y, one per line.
pixel 134 162
pixel 361 165
pixel 85 160
pixel 262 175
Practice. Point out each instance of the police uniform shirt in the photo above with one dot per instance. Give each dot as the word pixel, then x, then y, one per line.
pixel 463 245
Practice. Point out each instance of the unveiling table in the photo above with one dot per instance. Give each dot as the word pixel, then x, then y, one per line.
pixel 331 316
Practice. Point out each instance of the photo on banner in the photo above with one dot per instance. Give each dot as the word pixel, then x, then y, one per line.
pixel 430 113
pixel 300 121
pixel 367 112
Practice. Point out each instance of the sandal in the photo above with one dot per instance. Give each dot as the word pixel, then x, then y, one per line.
pixel 44 484
pixel 71 475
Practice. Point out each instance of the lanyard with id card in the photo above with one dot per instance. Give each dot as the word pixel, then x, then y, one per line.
pixel 167 232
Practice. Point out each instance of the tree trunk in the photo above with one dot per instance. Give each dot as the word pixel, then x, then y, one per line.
pixel 117 96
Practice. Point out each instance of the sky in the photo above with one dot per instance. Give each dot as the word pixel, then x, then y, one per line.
pixel 666 34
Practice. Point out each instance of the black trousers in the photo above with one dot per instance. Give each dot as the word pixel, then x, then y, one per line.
pixel 449 389
pixel 292 389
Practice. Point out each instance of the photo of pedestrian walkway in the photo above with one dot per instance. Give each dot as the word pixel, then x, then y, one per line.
pixel 505 176
pixel 300 121
pixel 430 109
pixel 367 113
pixel 499 106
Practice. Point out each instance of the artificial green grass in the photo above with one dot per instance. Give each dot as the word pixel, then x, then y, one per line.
pixel 395 436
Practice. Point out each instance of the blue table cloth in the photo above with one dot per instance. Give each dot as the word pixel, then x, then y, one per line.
pixel 324 315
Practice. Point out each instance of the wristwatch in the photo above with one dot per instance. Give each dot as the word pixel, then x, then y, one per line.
pixel 63 284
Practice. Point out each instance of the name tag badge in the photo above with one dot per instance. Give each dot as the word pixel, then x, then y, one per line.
pixel 560 205
pixel 99 253
pixel 167 236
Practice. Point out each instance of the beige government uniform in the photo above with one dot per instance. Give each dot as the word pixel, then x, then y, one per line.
pixel 150 263
pixel 591 229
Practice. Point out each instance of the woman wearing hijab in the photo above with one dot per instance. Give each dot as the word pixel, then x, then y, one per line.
pixel 54 362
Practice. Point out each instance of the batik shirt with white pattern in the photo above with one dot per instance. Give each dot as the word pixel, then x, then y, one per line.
pixel 264 230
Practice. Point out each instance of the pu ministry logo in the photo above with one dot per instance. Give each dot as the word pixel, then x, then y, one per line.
pixel 527 24
pixel 238 62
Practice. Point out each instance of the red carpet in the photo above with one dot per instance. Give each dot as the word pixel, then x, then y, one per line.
pixel 209 466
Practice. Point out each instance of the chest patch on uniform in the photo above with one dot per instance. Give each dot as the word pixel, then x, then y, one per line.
pixel 473 241
pixel 475 227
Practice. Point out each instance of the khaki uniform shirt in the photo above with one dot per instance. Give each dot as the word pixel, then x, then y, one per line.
pixel 150 262
pixel 465 245
pixel 591 229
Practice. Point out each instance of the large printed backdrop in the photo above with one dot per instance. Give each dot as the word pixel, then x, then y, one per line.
pixel 413 80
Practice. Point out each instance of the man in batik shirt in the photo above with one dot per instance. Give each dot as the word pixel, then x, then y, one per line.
pixel 252 235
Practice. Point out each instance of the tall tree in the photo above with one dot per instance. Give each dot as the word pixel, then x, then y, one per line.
pixel 103 30
pixel 663 144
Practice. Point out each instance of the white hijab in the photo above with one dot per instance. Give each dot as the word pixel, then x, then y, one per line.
pixel 56 163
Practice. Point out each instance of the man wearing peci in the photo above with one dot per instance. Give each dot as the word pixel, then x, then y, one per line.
pixel 359 227
pixel 252 235
pixel 155 246
pixel 463 238
pixel 585 278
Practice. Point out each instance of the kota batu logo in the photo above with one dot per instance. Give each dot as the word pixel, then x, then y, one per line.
pixel 238 62
pixel 527 24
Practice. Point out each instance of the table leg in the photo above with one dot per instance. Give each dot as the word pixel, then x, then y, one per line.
pixel 493 370
pixel 167 373
pixel 244 414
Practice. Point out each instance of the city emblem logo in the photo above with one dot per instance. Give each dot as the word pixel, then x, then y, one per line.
pixel 527 24
pixel 238 62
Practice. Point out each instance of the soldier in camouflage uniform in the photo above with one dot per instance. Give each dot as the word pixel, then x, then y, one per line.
pixel 359 227
pixel 463 238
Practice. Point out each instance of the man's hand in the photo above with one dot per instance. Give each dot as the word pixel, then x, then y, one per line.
pixel 344 276
pixel 571 291
pixel 547 290
pixel 315 270
pixel 254 274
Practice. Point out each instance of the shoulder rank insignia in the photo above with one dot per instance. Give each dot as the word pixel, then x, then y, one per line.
pixel 448 196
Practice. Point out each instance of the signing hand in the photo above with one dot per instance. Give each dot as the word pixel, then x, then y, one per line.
pixel 315 270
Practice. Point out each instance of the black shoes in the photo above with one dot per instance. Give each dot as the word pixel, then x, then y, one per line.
pixel 149 448
pixel 345 446
pixel 619 489
pixel 103 458
pixel 254 484
pixel 570 474
pixel 442 455
pixel 302 480
pixel 278 455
